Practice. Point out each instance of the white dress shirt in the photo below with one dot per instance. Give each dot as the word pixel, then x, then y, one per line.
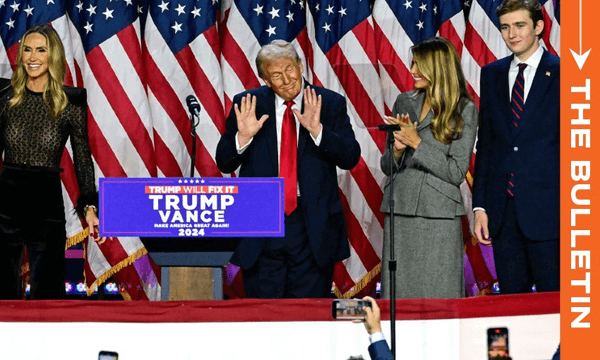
pixel 280 108
pixel 529 73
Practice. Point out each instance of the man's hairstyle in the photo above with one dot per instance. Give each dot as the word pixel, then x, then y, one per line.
pixel 532 6
pixel 54 95
pixel 276 49
pixel 439 64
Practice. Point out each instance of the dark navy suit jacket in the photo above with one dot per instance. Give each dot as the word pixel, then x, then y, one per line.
pixel 531 153
pixel 317 174
pixel 379 350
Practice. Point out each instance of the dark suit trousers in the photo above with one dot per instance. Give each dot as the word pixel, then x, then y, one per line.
pixel 522 262
pixel 286 268
pixel 46 255
pixel 32 216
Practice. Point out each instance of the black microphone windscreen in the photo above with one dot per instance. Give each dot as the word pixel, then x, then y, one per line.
pixel 193 105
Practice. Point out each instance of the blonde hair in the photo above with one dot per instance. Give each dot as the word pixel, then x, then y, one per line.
pixel 276 49
pixel 439 64
pixel 54 95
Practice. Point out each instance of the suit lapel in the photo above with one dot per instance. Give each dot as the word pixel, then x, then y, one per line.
pixel 541 81
pixel 418 101
pixel 269 125
pixel 303 134
pixel 504 95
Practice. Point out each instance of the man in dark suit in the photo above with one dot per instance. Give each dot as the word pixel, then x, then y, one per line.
pixel 321 139
pixel 516 183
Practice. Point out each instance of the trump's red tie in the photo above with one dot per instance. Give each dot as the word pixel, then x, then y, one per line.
pixel 287 160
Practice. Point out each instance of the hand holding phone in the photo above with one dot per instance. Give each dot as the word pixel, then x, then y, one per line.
pixel 349 309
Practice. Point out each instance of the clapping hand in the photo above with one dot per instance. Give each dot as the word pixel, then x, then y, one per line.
pixel 408 132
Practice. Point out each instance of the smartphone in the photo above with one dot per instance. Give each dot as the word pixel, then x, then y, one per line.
pixel 349 309
pixel 108 355
pixel 497 343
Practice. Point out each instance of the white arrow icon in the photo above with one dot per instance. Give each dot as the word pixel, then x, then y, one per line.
pixel 579 57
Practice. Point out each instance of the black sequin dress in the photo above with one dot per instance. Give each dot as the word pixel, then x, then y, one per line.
pixel 32 212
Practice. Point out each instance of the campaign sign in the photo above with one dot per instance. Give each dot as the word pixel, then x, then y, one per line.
pixel 188 207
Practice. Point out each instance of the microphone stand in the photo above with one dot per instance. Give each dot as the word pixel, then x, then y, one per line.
pixel 392 262
pixel 194 121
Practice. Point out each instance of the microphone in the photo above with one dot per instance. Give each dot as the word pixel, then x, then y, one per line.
pixel 193 105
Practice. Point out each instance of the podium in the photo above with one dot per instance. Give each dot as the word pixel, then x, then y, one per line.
pixel 191 222
pixel 190 252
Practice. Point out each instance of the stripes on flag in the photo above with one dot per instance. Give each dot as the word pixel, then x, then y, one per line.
pixel 182 51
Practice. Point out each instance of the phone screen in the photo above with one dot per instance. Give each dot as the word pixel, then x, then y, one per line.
pixel 497 343
pixel 349 309
pixel 108 355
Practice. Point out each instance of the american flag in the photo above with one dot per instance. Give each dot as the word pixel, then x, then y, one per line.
pixel 181 56
pixel 343 58
pixel 139 60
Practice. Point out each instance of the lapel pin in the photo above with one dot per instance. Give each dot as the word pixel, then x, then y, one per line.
pixel 547 73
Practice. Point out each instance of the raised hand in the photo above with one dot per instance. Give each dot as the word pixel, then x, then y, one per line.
pixel 247 123
pixel 311 119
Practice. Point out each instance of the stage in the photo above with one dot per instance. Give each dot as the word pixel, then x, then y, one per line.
pixel 272 329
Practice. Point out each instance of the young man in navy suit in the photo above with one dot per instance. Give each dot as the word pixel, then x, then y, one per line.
pixel 321 138
pixel 516 183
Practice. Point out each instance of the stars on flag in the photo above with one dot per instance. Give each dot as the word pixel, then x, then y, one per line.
pixel 272 19
pixel 180 9
pixel 290 16
pixel 196 12
pixel 91 10
pixel 108 13
pixel 88 27
pixel 164 6
pixel 177 27
pixel 14 20
pixel 15 6
pixel 274 13
pixel 29 10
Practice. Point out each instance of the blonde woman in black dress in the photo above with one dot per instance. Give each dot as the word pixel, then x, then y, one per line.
pixel 38 115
